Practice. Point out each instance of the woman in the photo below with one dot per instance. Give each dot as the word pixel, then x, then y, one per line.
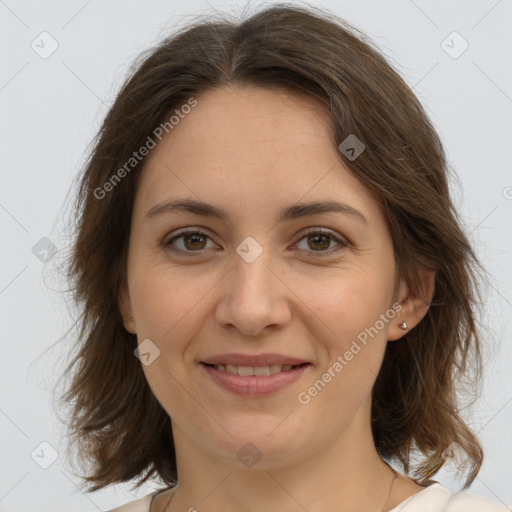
pixel 277 297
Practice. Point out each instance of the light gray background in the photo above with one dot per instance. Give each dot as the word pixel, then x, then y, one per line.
pixel 51 108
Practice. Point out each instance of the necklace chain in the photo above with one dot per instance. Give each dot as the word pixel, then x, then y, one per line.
pixel 169 502
pixel 395 474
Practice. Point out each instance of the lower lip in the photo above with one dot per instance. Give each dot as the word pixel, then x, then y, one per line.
pixel 254 386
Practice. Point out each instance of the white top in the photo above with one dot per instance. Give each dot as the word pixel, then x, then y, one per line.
pixel 434 498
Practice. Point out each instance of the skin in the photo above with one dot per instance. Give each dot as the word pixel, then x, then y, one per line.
pixel 253 151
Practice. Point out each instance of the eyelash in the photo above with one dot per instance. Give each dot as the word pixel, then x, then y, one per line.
pixel 315 231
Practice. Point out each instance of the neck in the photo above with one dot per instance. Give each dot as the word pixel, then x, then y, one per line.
pixel 345 474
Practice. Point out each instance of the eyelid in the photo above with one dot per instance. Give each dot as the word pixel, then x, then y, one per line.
pixel 182 232
pixel 339 239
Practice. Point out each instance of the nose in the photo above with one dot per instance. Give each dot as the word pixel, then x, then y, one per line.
pixel 254 297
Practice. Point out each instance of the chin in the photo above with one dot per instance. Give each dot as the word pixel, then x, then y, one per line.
pixel 260 444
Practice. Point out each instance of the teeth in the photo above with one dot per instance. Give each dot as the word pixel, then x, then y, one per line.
pixel 261 370
pixel 246 371
pixel 275 368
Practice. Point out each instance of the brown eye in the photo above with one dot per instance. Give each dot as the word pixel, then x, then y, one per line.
pixel 188 242
pixel 194 241
pixel 319 241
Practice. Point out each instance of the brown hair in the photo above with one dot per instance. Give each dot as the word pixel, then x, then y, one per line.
pixel 116 421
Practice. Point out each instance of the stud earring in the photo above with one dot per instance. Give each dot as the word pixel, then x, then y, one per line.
pixel 403 326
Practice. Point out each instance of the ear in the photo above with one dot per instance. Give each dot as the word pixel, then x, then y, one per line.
pixel 415 304
pixel 125 308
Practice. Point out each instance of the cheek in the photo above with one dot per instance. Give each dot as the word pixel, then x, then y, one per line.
pixel 169 310
pixel 355 338
pixel 166 299
pixel 348 304
pixel 353 347
pixel 171 307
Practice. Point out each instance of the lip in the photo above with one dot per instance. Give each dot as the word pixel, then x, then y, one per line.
pixel 255 386
pixel 254 360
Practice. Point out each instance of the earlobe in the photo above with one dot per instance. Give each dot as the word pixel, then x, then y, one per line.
pixel 125 309
pixel 415 304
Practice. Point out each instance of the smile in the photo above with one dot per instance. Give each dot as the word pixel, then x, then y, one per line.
pixel 254 381
pixel 253 370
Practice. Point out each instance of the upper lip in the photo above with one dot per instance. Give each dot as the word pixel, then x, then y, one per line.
pixel 254 360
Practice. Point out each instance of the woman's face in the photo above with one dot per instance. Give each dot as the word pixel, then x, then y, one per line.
pixel 254 290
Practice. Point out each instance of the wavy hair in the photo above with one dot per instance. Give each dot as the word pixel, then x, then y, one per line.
pixel 116 422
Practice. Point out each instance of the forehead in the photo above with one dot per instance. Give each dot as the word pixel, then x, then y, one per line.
pixel 238 124
pixel 250 146
pixel 238 111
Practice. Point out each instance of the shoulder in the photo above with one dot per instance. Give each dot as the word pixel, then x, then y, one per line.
pixel 140 505
pixel 436 498
pixel 471 502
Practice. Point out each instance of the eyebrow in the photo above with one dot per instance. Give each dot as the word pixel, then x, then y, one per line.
pixel 293 211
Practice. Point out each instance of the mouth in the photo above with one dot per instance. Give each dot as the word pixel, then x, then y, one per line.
pixel 246 371
pixel 254 381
